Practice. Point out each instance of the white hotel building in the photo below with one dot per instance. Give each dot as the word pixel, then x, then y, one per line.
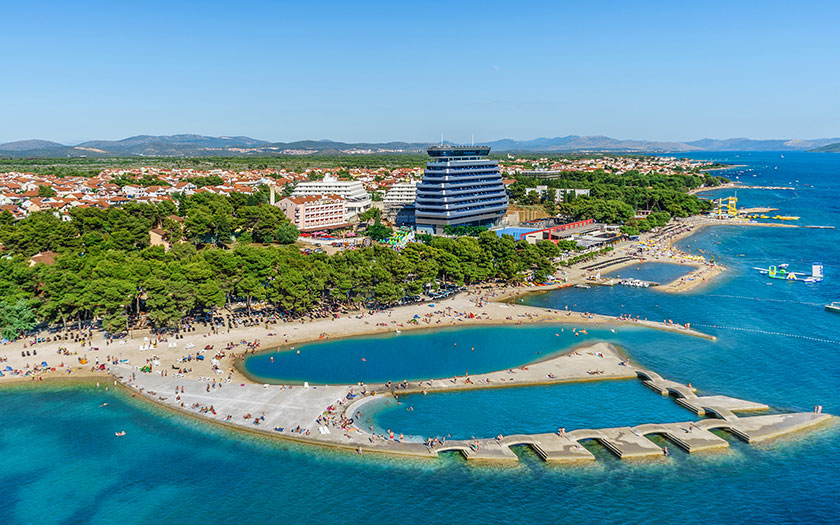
pixel 399 202
pixel 401 193
pixel 356 198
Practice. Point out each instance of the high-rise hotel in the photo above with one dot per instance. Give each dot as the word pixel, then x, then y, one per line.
pixel 460 187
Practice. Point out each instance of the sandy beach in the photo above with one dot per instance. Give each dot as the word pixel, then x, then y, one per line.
pixel 478 305
pixel 471 308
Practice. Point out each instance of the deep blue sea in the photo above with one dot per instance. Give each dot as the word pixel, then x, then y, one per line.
pixel 60 461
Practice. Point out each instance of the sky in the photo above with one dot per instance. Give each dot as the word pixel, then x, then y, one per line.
pixel 409 71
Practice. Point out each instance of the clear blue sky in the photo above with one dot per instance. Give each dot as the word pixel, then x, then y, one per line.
pixel 377 71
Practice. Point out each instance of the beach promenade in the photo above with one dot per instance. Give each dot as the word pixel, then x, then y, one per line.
pixel 326 415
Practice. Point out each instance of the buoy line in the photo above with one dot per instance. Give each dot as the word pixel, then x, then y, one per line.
pixel 766 332
pixel 760 299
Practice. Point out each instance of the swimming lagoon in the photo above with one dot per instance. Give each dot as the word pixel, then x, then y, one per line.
pixel 60 462
pixel 523 410
pixel 657 272
pixel 418 354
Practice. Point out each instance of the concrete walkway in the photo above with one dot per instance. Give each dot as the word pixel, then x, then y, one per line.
pixel 323 415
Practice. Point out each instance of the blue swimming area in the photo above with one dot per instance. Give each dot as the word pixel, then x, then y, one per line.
pixel 657 272
pixel 423 354
pixel 60 462
pixel 514 232
pixel 525 410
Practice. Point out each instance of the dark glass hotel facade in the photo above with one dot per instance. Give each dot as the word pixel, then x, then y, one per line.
pixel 460 187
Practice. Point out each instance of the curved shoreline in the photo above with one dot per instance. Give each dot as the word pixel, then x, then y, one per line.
pixel 491 312
pixel 572 365
pixel 336 432
pixel 599 321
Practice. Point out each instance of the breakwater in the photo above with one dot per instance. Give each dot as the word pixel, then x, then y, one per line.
pixel 324 415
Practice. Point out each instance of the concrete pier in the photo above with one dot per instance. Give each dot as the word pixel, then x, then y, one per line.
pixel 551 447
pixel 761 428
pixel 688 436
pixel 324 415
pixel 723 407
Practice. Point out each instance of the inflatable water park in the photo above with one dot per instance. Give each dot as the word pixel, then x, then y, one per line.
pixel 782 272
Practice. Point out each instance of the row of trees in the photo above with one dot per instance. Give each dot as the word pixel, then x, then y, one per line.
pixel 201 219
pixel 117 285
pixel 614 198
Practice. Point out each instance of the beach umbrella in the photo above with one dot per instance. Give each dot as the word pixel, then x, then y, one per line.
pixel 8 369
pixel 44 363
pixel 416 316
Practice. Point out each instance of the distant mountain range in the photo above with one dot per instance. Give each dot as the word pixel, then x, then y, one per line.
pixel 200 145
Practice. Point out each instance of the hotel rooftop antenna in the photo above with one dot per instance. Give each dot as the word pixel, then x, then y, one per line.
pixel 473 140
pixel 441 139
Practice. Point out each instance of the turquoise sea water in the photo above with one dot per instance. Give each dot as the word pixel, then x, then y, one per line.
pixel 60 462
pixel 425 354
pixel 526 410
pixel 654 271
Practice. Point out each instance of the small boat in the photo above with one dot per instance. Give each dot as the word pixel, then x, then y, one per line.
pixel 583 285
pixel 119 434
pixel 833 307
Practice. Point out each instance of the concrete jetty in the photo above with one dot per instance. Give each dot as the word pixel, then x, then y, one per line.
pixel 723 407
pixel 762 428
pixel 324 415
pixel 551 447
pixel 688 436
pixel 624 442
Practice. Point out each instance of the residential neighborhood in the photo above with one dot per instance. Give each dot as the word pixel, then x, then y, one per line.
pixel 23 193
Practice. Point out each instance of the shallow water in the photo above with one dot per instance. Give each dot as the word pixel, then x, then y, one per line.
pixel 424 354
pixel 653 271
pixel 60 460
pixel 524 410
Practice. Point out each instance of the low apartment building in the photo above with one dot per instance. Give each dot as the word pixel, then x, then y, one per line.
pixel 314 212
